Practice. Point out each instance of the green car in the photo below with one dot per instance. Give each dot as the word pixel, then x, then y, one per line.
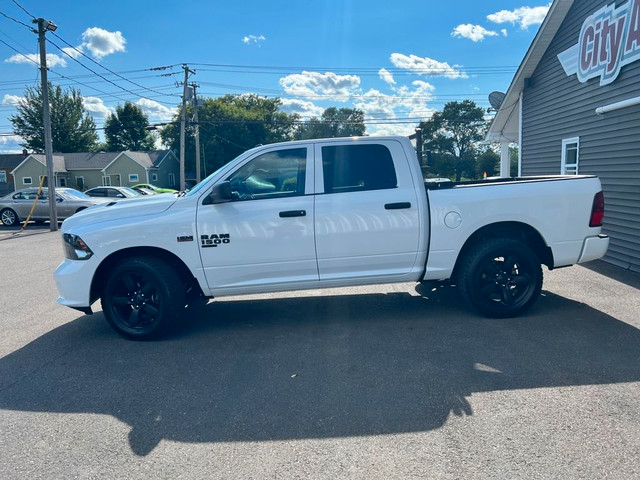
pixel 153 188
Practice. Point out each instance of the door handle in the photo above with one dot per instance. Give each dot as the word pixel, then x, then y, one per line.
pixel 397 206
pixel 293 213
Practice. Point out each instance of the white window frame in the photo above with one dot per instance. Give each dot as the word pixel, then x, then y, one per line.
pixel 567 144
pixel 78 186
pixel 154 177
pixel 3 176
pixel 27 181
pixel 172 179
pixel 134 178
pixel 62 182
pixel 106 181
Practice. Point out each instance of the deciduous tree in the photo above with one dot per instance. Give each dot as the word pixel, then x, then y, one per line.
pixel 127 129
pixel 72 128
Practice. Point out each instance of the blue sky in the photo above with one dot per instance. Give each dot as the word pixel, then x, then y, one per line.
pixel 397 60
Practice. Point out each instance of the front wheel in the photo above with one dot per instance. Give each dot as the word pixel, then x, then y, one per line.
pixel 9 217
pixel 142 297
pixel 500 277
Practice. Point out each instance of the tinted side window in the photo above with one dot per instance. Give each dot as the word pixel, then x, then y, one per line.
pixel 354 168
pixel 274 174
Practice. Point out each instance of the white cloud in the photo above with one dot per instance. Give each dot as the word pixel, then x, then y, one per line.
pixel 156 111
pixel 405 102
pixel 386 76
pixel 475 33
pixel 504 32
pixel 96 107
pixel 11 144
pixel 73 52
pixel 247 39
pixel 426 66
pixel 53 60
pixel 101 42
pixel 12 100
pixel 315 84
pixel 525 16
pixel 301 107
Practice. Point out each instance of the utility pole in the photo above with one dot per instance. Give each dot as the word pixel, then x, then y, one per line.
pixel 43 26
pixel 183 123
pixel 195 118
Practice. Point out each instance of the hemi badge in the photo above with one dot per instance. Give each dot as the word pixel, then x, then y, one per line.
pixel 186 238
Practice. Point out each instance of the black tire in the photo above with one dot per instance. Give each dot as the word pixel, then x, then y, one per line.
pixel 142 298
pixel 500 277
pixel 9 217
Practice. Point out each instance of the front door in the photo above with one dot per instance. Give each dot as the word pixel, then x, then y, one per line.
pixel 264 236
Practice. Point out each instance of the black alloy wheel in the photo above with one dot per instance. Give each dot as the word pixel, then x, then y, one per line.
pixel 142 297
pixel 501 277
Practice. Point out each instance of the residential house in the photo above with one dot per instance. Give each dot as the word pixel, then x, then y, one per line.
pixel 7 163
pixel 88 170
pixel 574 108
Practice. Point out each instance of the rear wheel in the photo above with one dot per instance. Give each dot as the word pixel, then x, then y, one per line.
pixel 142 297
pixel 9 217
pixel 500 277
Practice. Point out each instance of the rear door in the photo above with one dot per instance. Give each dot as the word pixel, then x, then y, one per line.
pixel 264 236
pixel 367 220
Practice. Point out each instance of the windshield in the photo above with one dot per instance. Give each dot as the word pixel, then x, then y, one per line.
pixel 71 193
pixel 130 192
pixel 199 186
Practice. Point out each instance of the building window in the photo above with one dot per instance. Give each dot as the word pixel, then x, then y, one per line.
pixel 570 149
pixel 106 181
pixel 154 177
pixel 26 181
pixel 133 178
pixel 43 180
pixel 172 180
pixel 3 176
pixel 62 182
pixel 80 183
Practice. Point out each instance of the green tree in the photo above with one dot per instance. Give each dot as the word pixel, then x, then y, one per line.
pixel 72 128
pixel 343 122
pixel 454 133
pixel 230 125
pixel 127 129
pixel 488 162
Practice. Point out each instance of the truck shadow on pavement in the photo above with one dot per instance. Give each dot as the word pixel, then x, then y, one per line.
pixel 314 367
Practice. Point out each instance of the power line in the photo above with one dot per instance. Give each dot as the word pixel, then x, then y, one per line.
pixel 17 21
pixel 24 9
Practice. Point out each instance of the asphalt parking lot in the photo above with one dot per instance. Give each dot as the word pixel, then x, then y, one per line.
pixel 376 382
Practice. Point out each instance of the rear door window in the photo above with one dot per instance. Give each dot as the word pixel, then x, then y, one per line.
pixel 354 168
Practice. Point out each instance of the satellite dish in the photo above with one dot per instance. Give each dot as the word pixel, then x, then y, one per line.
pixel 496 99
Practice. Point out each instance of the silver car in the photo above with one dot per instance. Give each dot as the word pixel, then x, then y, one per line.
pixel 15 207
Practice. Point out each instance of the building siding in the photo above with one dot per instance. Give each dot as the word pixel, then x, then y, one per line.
pixel 556 106
pixel 170 164
pixel 125 166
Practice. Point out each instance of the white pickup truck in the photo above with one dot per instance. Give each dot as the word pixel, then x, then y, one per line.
pixel 326 213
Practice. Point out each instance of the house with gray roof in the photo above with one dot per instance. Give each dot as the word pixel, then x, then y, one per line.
pixel 88 169
pixel 7 163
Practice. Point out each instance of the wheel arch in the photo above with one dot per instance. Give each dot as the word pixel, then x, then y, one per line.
pixel 108 263
pixel 515 230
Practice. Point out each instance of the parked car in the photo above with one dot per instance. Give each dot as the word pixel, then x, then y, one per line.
pixel 15 207
pixel 153 188
pixel 144 191
pixel 113 192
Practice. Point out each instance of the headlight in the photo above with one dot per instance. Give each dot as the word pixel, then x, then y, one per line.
pixel 75 248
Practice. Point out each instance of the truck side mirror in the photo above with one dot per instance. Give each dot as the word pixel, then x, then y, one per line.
pixel 220 193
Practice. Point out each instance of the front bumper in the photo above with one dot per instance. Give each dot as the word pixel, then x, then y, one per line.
pixel 73 279
pixel 594 248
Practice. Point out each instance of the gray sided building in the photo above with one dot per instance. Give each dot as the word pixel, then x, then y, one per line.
pixel 574 108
